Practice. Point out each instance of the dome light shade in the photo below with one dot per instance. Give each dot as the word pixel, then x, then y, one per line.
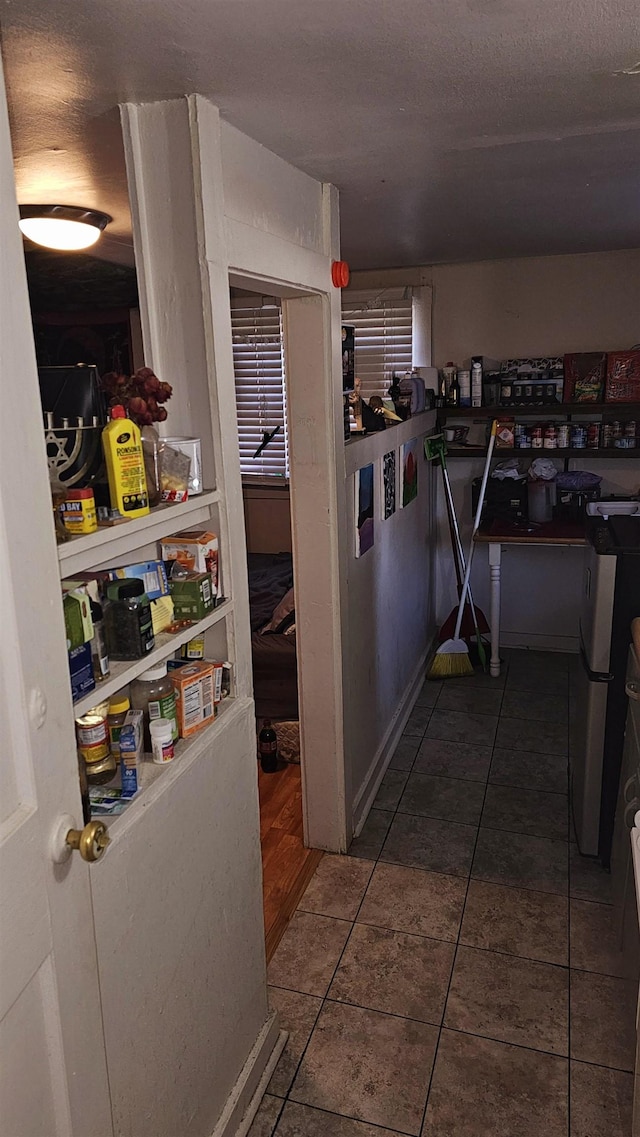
pixel 62 226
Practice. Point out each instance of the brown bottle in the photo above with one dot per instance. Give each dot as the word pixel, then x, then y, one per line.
pixel 268 748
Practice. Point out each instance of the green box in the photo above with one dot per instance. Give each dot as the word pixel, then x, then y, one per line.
pixel 192 596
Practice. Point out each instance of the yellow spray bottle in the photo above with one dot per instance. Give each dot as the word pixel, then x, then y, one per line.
pixel 125 465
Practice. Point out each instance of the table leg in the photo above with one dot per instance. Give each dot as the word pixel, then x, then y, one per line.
pixel 495 557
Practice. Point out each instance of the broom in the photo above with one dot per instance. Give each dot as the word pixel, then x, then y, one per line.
pixel 452 657
pixel 473 619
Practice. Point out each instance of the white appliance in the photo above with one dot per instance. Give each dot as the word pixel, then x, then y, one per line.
pixel 598 702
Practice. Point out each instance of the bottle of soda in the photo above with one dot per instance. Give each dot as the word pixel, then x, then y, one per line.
pixel 268 748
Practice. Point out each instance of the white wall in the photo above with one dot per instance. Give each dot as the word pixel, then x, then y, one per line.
pixel 390 620
pixel 521 307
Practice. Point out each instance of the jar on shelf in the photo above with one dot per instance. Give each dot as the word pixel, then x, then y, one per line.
pixel 153 693
pixel 92 733
pixel 127 620
pixel 119 704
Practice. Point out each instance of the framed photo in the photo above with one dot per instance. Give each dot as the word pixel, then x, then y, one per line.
pixel 364 509
pixel 388 484
pixel 409 490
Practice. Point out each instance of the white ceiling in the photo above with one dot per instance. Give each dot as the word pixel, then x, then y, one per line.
pixel 454 129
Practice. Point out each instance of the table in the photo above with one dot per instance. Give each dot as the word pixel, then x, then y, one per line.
pixel 499 533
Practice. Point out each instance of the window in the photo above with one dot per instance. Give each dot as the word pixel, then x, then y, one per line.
pixel 383 326
pixel 258 363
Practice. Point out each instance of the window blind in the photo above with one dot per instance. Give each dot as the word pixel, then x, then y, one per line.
pixel 258 363
pixel 383 326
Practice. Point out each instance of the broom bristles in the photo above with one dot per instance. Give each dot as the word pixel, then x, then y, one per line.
pixel 451 661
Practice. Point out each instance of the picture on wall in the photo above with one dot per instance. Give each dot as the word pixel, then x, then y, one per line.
pixel 410 452
pixel 364 509
pixel 389 478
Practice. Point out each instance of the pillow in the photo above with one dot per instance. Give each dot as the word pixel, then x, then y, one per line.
pixel 283 615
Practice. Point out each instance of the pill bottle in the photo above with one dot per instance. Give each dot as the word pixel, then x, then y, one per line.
pixel 162 744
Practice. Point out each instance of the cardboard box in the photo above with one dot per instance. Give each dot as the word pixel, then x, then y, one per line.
pixel 194 688
pixel 584 375
pixel 192 596
pixel 505 433
pixel 77 618
pixel 152 573
pixel 81 671
pixel 131 752
pixel 623 377
pixel 197 550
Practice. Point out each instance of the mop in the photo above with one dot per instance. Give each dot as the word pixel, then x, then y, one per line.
pixel 452 657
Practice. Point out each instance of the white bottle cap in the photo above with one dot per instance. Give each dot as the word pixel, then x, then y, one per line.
pixel 161 730
pixel 157 672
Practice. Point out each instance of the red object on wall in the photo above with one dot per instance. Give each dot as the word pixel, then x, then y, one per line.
pixel 340 274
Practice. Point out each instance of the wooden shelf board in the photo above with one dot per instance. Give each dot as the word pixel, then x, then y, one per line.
pixel 123 672
pixel 112 542
pixel 541 409
pixel 508 452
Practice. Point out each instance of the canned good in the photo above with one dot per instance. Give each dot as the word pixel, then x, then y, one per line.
pixel 606 435
pixel 630 432
pixel 550 437
pixel 578 437
pixel 563 436
pixel 593 436
pixel 536 438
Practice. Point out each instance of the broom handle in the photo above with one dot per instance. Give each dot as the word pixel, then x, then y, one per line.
pixel 476 525
pixel 458 542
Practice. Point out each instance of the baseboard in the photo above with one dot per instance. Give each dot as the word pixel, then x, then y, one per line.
pixel 366 794
pixel 541 642
pixel 244 1100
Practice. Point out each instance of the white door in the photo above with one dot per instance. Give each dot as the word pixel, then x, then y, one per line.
pixel 53 1080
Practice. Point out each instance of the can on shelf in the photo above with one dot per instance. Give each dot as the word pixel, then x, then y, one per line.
pixel 578 437
pixel 606 439
pixel 563 436
pixel 593 436
pixel 550 437
pixel 536 438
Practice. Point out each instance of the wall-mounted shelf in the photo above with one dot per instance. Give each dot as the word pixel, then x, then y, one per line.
pixel 124 672
pixel 115 541
pixel 573 452
pixel 540 410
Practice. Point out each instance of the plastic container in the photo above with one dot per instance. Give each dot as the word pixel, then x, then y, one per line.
pixel 127 620
pixel 154 694
pixel 541 500
pixel 162 744
pixel 118 706
pixel 124 459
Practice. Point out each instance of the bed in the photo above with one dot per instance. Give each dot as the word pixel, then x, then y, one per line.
pixel 273 639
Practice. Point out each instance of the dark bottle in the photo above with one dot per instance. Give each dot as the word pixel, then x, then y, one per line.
pixel 127 620
pixel 268 748
pixel 99 653
pixel 454 393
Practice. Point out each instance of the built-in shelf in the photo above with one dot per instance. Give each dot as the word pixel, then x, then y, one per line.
pixel 573 452
pixel 112 542
pixel 156 780
pixel 540 409
pixel 125 671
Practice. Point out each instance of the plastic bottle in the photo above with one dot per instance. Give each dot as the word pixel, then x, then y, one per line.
pixel 125 465
pixel 127 620
pixel 154 694
pixel 268 748
pixel 448 374
pixel 119 704
pixel 162 744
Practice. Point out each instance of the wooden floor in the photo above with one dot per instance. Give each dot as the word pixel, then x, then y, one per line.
pixel 287 866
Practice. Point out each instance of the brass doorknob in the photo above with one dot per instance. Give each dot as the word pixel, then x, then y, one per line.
pixel 91 841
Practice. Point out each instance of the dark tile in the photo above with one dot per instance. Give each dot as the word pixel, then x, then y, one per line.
pixel 303 1121
pixel 453 760
pixel 521 861
pixel 536 706
pixel 394 972
pixel 529 771
pixel 587 879
pixel 297 1014
pixel 601 1102
pixel 404 754
pixel 448 798
pixel 265 1119
pixel 417 721
pixel 429 693
pixel 540 738
pixel 534 925
pixel 337 887
pixel 427 843
pixel 510 999
pixel 369 1066
pixel 603 1020
pixel 539 670
pixel 536 813
pixel 390 791
pixel 595 940
pixel 483 1088
pixel 470 700
pixel 371 838
pixel 481 678
pixel 308 952
pixel 412 900
pixel 456 726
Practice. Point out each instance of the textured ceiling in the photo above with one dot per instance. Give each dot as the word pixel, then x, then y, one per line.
pixel 454 129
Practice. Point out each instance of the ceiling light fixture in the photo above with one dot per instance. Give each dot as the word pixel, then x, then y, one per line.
pixel 62 226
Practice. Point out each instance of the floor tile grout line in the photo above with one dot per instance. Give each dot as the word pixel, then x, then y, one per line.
pixel 351 1117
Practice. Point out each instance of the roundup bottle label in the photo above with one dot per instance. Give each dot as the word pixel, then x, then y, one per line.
pixel 125 465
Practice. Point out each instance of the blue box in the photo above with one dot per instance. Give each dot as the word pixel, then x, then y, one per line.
pixel 81 671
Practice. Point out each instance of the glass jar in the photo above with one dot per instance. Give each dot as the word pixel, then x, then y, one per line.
pixel 151 452
pixel 119 704
pixel 153 693
pixel 93 745
pixel 127 620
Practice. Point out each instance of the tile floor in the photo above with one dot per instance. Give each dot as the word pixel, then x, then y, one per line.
pixel 455 975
